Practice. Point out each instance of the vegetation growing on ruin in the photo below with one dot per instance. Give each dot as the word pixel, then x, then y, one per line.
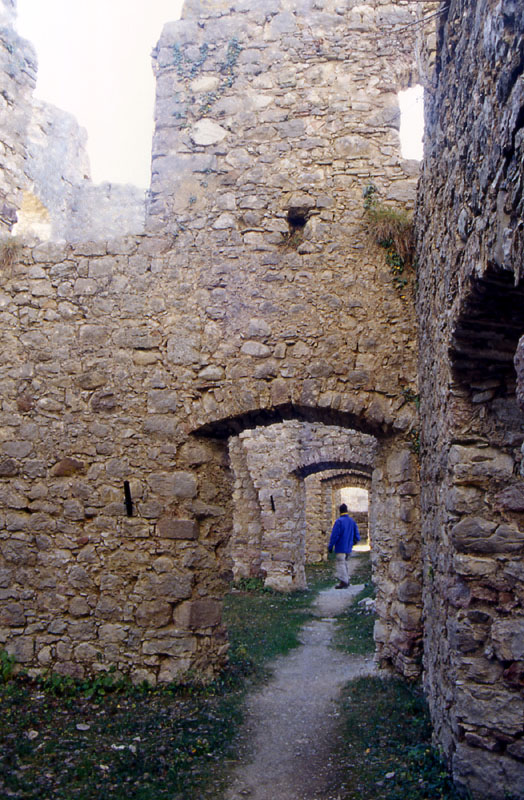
pixel 188 68
pixel 385 750
pixel 391 229
pixel 354 633
pixel 10 250
pixel 263 623
pixel 84 740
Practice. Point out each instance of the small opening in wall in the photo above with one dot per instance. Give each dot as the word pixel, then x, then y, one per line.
pixel 297 218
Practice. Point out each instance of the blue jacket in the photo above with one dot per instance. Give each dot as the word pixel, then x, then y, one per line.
pixel 344 534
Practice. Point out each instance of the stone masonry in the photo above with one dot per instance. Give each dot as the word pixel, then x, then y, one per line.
pixel 45 185
pixel 270 494
pixel 471 249
pixel 143 367
pixel 255 297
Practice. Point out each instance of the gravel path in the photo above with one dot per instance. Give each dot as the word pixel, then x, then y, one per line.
pixel 291 723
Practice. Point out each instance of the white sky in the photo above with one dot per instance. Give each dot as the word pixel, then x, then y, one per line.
pixel 411 104
pixel 94 61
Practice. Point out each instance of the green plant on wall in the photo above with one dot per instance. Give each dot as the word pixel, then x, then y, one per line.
pixel 392 229
pixel 188 68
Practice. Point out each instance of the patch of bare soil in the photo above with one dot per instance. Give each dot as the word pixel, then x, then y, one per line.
pixel 291 725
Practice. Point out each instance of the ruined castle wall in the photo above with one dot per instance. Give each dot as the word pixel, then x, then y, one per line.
pixel 470 265
pixel 322 502
pixel 137 360
pixel 18 70
pixel 60 201
pixel 46 190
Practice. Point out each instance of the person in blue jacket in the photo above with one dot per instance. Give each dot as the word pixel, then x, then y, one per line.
pixel 343 536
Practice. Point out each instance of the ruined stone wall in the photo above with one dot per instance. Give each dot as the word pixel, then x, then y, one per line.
pixel 46 190
pixel 333 489
pixel 271 500
pixel 60 201
pixel 470 305
pixel 18 70
pixel 255 297
pixel 321 488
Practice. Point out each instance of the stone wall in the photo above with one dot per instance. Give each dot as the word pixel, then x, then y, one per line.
pixel 45 187
pixel 18 70
pixel 60 201
pixel 470 264
pixel 322 509
pixel 254 298
pixel 271 535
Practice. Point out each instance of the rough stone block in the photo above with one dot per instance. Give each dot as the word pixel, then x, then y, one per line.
pixel 478 535
pixel 155 613
pixel 67 467
pixel 477 769
pixel 205 613
pixel 171 642
pixel 174 484
pixel 173 528
pixel 508 639
pixel 12 615
pixel 169 588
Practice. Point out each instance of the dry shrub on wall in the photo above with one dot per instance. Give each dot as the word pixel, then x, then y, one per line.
pixel 10 250
pixel 390 228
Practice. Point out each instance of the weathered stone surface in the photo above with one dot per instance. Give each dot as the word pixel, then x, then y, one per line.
pixel 507 638
pixel 67 467
pixel 470 249
pixel 177 484
pixel 204 613
pixel 12 615
pixel 172 528
pixel 477 535
pixel 154 613
pixel 207 132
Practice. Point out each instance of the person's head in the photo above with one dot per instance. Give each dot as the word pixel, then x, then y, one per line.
pixel 343 509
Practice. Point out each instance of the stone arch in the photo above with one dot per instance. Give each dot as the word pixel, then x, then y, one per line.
pixel 474 530
pixel 321 506
pixel 270 466
pixel 352 480
pixel 395 509
pixel 145 355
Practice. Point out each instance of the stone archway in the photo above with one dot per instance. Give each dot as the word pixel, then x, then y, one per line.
pixel 321 489
pixel 396 558
pixel 270 464
pixel 132 362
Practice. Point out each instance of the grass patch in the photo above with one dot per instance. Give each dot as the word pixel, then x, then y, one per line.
pixel 104 739
pixel 67 743
pixel 354 631
pixel 263 623
pixel 385 750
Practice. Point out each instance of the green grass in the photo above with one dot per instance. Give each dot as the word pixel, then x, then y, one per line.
pixel 138 743
pixel 263 624
pixel 354 631
pixel 385 751
pixel 106 740
pixel 131 743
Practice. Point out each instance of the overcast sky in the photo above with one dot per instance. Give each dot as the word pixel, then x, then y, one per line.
pixel 94 60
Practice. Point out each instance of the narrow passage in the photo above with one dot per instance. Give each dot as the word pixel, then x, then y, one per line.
pixel 291 723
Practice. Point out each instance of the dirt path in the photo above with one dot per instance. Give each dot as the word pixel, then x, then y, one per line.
pixel 291 723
